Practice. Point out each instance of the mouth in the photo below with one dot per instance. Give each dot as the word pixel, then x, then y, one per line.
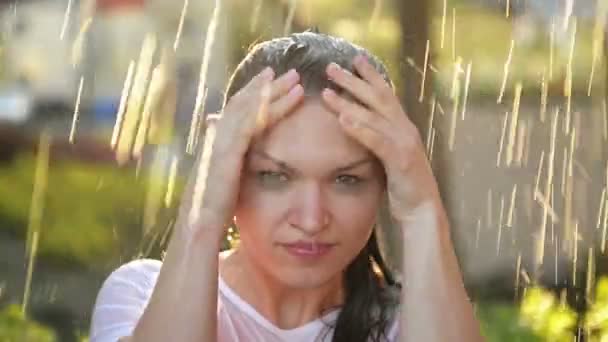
pixel 308 249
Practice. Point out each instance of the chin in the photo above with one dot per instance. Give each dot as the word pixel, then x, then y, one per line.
pixel 305 277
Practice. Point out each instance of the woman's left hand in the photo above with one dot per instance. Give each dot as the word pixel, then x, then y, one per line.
pixel 380 124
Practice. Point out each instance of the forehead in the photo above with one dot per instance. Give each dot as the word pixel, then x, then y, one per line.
pixel 311 133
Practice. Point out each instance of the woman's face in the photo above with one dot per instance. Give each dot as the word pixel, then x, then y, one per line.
pixel 309 198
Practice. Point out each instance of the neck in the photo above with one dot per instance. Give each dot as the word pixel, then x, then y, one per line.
pixel 284 306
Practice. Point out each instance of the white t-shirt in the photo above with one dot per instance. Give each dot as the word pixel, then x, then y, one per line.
pixel 125 294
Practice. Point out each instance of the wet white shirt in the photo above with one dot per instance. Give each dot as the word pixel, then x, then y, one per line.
pixel 125 294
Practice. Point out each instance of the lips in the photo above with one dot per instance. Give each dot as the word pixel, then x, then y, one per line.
pixel 308 249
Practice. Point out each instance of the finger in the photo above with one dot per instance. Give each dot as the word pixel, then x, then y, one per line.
pixel 357 87
pixel 370 129
pixel 370 74
pixel 256 82
pixel 284 83
pixel 368 136
pixel 285 104
pixel 339 105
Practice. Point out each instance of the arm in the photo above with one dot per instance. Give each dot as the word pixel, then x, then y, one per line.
pixel 434 304
pixel 183 305
pixel 433 293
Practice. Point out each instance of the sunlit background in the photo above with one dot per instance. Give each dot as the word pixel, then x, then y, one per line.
pixel 100 108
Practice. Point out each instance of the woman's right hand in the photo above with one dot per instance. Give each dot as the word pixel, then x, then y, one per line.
pixel 212 191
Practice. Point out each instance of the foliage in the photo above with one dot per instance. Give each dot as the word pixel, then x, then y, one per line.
pixel 15 327
pixel 85 208
pixel 548 318
pixel 501 322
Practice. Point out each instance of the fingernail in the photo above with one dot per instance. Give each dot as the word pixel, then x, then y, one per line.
pixel 292 75
pixel 267 73
pixel 359 60
pixel 328 93
pixel 333 67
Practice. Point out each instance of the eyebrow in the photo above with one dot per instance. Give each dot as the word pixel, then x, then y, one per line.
pixel 286 166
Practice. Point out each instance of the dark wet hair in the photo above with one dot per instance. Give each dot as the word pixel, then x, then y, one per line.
pixel 370 296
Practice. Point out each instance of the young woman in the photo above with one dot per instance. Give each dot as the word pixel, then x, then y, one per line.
pixel 310 143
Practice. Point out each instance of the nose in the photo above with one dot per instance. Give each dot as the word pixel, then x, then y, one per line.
pixel 309 211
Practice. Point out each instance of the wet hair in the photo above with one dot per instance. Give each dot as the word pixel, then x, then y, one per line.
pixel 370 296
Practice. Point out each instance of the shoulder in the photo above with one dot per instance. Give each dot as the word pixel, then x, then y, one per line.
pixel 122 298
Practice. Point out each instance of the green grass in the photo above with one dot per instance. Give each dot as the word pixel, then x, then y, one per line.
pixel 86 209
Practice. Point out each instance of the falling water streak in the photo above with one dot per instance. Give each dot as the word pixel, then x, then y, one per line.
pixel 165 236
pixel 605 225
pixel 30 271
pixel 180 25
pixel 513 126
pixel 78 45
pixel 567 12
pixel 568 211
pixel 573 137
pixel 551 48
pixel 141 136
pixel 136 100
pixel 154 192
pixel 200 182
pixel 467 84
pixel 453 34
pixel 575 255
pixel 556 262
pixel 455 95
pixel 540 247
pixel 290 15
pixel 199 123
pixel 600 209
pixel 431 119
pixel 538 172
pixel 426 65
pixel 171 182
pixel 201 93
pixel 520 142
pixel 605 116
pixel 433 134
pixel 594 58
pixel 552 205
pixel 598 39
pixel 76 111
pixel 443 20
pixel 568 80
pixel 376 11
pixel 36 210
pixel 156 120
pixel 517 271
pixel 66 19
pixel 506 72
pixel 257 9
pixel 124 97
pixel 489 217
pixel 502 139
pixel 512 206
pixel 564 173
pixel 500 225
pixel 590 278
pixel 440 109
pixel 544 94
pixel 547 204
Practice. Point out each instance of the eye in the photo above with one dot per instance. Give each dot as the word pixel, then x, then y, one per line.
pixel 267 176
pixel 348 180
